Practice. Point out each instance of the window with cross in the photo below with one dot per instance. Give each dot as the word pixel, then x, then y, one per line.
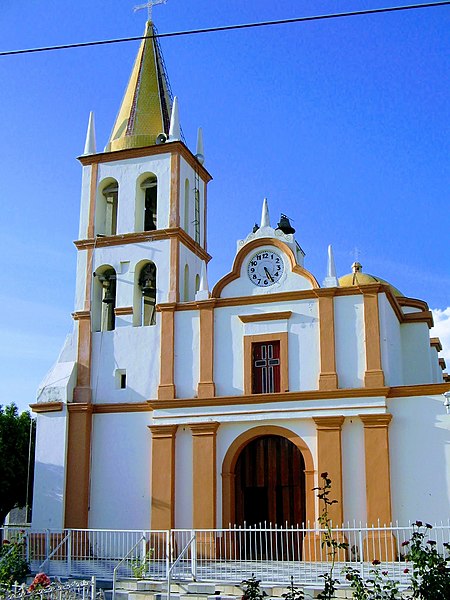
pixel 265 367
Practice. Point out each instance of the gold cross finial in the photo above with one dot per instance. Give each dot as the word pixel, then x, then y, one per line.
pixel 149 5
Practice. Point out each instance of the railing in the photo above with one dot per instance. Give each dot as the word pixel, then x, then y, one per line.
pixel 117 567
pixel 73 590
pixel 226 555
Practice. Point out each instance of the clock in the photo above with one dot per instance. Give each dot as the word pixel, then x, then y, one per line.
pixel 265 268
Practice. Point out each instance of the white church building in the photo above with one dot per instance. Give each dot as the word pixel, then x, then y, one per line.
pixel 173 405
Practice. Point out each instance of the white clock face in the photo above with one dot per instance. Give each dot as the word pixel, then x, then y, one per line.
pixel 265 268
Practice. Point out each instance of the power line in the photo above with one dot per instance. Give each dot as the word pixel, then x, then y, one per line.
pixel 355 13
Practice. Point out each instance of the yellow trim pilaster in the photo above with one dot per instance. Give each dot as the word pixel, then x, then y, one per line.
pixel 328 379
pixel 378 545
pixel 204 474
pixel 166 388
pixel 329 460
pixel 206 385
pixel 163 476
pixel 373 376
pixel 78 466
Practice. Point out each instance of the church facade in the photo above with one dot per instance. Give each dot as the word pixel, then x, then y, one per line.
pixel 175 406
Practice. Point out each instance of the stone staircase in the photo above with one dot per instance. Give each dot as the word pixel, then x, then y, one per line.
pixel 135 589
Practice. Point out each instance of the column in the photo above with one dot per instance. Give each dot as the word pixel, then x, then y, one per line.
pixel 328 379
pixel 374 376
pixel 78 466
pixel 378 545
pixel 204 476
pixel 329 459
pixel 82 392
pixel 163 476
pixel 166 388
pixel 206 386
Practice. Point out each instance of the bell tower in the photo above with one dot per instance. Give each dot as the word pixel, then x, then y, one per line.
pixel 142 242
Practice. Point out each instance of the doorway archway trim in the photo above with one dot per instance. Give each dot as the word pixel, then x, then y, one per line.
pixel 232 454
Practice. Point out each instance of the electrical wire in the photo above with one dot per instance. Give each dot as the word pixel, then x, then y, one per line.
pixel 356 13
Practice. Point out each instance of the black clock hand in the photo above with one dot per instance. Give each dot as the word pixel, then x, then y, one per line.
pixel 269 276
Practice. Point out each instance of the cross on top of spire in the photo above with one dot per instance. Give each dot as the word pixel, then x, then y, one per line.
pixel 149 5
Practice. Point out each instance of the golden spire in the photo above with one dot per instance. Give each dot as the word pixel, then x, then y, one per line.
pixel 146 106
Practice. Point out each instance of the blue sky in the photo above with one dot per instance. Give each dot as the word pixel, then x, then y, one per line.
pixel 343 125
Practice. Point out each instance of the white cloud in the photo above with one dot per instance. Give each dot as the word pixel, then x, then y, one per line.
pixel 441 330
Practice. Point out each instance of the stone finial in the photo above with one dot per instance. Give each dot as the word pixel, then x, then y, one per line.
pixel 331 279
pixel 265 219
pixel 174 130
pixel 200 154
pixel 90 146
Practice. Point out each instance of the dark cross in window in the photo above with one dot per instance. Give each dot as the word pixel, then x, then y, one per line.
pixel 266 368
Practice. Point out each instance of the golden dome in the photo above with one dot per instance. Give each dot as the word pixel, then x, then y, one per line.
pixel 357 277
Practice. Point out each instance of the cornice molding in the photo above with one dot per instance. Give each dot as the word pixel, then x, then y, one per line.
pixel 79 315
pixel 45 407
pixel 79 407
pixel 271 316
pixel 123 310
pixel 136 237
pixel 433 389
pixel 121 407
pixel 130 153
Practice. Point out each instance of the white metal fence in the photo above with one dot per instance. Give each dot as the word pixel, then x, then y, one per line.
pixel 73 590
pixel 273 554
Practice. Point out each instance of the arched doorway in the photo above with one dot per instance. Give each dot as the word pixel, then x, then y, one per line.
pixel 270 483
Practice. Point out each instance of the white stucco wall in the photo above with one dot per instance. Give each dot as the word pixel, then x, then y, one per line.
pixel 120 471
pixel 49 474
pixel 303 343
pixel 85 200
pixel 187 347
pixel 391 343
pixel 419 439
pixel 349 340
pixel 416 353
pixel 135 349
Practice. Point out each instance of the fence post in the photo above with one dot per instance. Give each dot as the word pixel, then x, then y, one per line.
pixel 361 551
pixel 194 556
pixel 93 587
pixel 47 550
pixel 69 553
pixel 27 547
pixel 168 534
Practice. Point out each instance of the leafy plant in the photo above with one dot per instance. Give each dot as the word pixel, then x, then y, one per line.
pixel 431 573
pixel 328 541
pixel 294 593
pixel 13 565
pixel 252 589
pixel 377 587
pixel 139 566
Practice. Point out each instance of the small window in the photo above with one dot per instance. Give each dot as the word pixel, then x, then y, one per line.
pixel 150 187
pixel 265 367
pixel 121 379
